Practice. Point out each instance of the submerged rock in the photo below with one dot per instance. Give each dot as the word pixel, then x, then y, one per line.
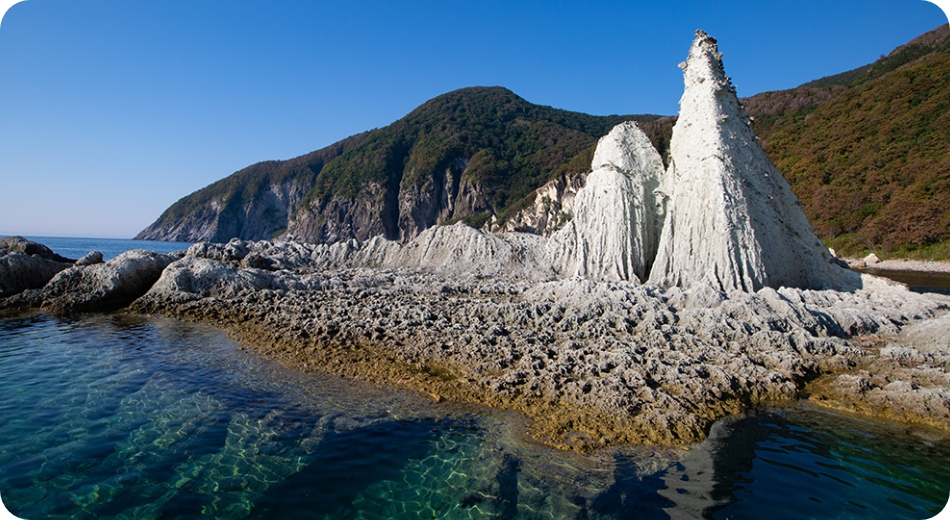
pixel 734 221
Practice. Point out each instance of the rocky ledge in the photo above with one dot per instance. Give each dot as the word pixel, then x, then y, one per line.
pixel 743 305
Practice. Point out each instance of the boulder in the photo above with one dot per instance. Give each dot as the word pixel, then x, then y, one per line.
pixel 18 243
pixel 91 258
pixel 20 271
pixel 733 221
pixel 103 287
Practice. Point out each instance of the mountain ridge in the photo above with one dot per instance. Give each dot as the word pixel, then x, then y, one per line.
pixel 483 154
pixel 462 155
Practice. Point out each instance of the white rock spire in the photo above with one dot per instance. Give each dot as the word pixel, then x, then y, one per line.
pixel 616 227
pixel 734 221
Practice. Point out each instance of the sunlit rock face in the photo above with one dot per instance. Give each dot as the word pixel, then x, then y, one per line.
pixel 616 226
pixel 734 221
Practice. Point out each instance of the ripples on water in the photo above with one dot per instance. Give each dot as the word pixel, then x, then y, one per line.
pixel 122 417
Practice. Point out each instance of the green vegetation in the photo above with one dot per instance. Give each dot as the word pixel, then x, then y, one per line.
pixel 476 221
pixel 866 151
pixel 242 187
pixel 512 146
pixel 870 161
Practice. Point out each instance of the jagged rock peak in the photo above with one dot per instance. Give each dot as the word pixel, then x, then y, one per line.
pixel 734 221
pixel 617 221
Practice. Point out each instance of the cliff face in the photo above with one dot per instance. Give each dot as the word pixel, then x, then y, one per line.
pixel 552 208
pixel 218 221
pixel 254 203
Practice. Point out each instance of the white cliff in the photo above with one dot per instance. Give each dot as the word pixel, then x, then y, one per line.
pixel 734 221
pixel 617 221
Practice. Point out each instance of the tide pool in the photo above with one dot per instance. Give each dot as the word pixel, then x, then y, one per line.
pixel 116 416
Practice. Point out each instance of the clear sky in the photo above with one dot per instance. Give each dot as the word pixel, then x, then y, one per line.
pixel 111 110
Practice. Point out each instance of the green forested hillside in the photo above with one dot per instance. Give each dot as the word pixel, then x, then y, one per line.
pixel 868 151
pixel 512 146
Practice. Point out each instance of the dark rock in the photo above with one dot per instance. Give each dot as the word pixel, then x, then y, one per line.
pixel 18 243
pixel 20 271
pixel 102 287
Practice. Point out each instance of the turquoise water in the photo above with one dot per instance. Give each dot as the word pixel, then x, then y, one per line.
pixel 114 416
pixel 76 248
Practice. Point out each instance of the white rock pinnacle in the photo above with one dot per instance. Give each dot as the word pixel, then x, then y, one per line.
pixel 616 226
pixel 734 221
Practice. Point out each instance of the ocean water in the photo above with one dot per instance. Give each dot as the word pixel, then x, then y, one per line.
pixel 110 248
pixel 118 416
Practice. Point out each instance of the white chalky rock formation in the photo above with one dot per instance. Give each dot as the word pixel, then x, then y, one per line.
pixel 616 226
pixel 733 222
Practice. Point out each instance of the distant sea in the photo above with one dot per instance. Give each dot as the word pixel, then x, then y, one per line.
pixel 110 248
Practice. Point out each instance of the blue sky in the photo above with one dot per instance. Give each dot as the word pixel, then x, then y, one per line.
pixel 110 111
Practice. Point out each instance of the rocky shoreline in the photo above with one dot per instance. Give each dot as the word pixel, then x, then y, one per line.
pixel 589 363
pixel 674 297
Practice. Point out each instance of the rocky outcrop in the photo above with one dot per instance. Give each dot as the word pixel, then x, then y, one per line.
pixel 733 220
pixel 560 328
pixel 219 219
pixel 552 209
pixel 29 247
pixel 20 271
pixel 97 287
pixel 617 218
pixel 25 264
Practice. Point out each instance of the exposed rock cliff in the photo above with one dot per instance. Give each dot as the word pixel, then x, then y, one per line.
pixel 553 207
pixel 254 203
pixel 733 220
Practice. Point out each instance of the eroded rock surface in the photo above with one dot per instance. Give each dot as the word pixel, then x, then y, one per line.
pixel 617 221
pixel 590 362
pixel 733 220
pixel 743 305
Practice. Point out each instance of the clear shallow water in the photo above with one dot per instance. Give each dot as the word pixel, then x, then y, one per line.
pixel 110 248
pixel 123 417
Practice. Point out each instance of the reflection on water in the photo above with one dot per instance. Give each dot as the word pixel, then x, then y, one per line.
pixel 805 463
pixel 121 417
pixel 917 281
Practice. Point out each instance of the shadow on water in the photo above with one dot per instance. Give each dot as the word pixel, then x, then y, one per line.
pixel 346 463
pixel 631 496
pixel 498 497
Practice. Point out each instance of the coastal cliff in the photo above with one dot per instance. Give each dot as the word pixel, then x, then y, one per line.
pixel 864 151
